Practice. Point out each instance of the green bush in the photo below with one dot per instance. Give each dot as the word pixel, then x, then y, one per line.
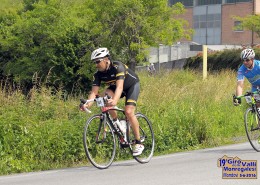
pixel 227 59
pixel 42 131
pixel 52 40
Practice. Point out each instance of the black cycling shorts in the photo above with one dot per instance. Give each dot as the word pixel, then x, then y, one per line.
pixel 131 93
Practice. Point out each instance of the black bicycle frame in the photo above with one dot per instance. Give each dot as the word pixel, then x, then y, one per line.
pixel 254 108
pixel 102 121
pixel 104 118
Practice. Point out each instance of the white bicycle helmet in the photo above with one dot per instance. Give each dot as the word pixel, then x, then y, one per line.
pixel 99 53
pixel 247 54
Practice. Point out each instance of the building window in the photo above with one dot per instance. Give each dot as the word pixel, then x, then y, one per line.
pixel 207 21
pixel 237 1
pixel 209 2
pixel 186 3
pixel 189 3
pixel 238 26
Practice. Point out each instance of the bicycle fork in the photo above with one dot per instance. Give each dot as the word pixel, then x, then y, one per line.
pixel 257 118
pixel 103 129
pixel 101 133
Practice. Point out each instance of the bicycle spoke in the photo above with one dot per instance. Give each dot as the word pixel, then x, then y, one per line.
pixel 99 143
pixel 146 136
pixel 99 137
pixel 252 128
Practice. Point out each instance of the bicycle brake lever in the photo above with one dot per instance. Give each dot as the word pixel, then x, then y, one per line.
pixel 87 110
pixel 83 101
pixel 82 106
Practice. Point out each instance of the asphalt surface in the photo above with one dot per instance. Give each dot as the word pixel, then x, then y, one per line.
pixel 198 167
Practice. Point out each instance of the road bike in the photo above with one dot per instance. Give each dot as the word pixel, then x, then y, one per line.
pixel 252 119
pixel 101 136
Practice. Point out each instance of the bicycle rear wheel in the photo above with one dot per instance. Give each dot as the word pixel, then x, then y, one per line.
pixel 252 128
pixel 147 138
pixel 99 142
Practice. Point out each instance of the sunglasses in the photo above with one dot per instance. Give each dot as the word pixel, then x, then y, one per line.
pixel 247 60
pixel 98 61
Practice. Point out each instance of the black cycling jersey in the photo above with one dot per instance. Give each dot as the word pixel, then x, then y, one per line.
pixel 117 70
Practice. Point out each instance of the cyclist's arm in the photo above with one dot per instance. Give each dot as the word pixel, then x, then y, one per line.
pixel 95 88
pixel 240 80
pixel 239 89
pixel 92 95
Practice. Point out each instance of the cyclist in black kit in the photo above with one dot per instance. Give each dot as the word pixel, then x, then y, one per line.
pixel 121 82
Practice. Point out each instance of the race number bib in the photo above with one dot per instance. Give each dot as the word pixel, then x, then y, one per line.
pixel 100 102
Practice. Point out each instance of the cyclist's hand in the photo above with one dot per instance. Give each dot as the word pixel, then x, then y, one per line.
pixel 236 101
pixel 111 102
pixel 83 106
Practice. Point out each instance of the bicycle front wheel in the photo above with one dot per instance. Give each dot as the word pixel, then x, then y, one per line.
pixel 252 128
pixel 99 142
pixel 146 136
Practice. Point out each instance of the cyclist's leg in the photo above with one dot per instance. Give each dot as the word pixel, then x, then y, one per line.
pixel 130 114
pixel 130 106
pixel 111 92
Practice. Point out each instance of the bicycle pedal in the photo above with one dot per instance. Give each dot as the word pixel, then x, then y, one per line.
pixel 122 149
pixel 124 145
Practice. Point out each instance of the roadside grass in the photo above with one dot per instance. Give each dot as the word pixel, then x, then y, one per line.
pixel 188 112
pixel 43 131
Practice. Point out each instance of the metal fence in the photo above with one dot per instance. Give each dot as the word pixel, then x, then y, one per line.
pixel 171 65
pixel 169 57
pixel 175 56
pixel 178 51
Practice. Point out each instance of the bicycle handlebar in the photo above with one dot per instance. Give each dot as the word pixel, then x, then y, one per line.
pixel 248 94
pixel 84 102
pixel 249 97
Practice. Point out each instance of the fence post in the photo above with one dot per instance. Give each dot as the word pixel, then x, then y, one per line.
pixel 205 53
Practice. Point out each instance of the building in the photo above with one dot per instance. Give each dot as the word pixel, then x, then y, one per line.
pixel 213 22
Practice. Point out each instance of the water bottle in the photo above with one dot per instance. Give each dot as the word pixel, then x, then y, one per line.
pixel 122 126
pixel 257 97
pixel 116 125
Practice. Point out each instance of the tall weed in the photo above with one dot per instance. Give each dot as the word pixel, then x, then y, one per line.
pixel 43 131
pixel 188 112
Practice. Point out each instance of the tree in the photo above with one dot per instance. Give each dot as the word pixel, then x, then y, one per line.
pixel 130 27
pixel 51 40
pixel 250 22
pixel 47 44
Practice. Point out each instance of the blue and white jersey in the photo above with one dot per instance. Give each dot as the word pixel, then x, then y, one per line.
pixel 253 75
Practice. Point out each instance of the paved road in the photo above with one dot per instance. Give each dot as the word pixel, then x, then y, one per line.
pixel 186 168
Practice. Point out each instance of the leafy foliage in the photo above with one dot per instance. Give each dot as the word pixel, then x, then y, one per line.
pixel 42 131
pixel 227 59
pixel 47 44
pixel 50 41
pixel 250 22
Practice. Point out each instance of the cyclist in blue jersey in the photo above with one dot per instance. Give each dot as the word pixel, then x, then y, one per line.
pixel 121 82
pixel 251 70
